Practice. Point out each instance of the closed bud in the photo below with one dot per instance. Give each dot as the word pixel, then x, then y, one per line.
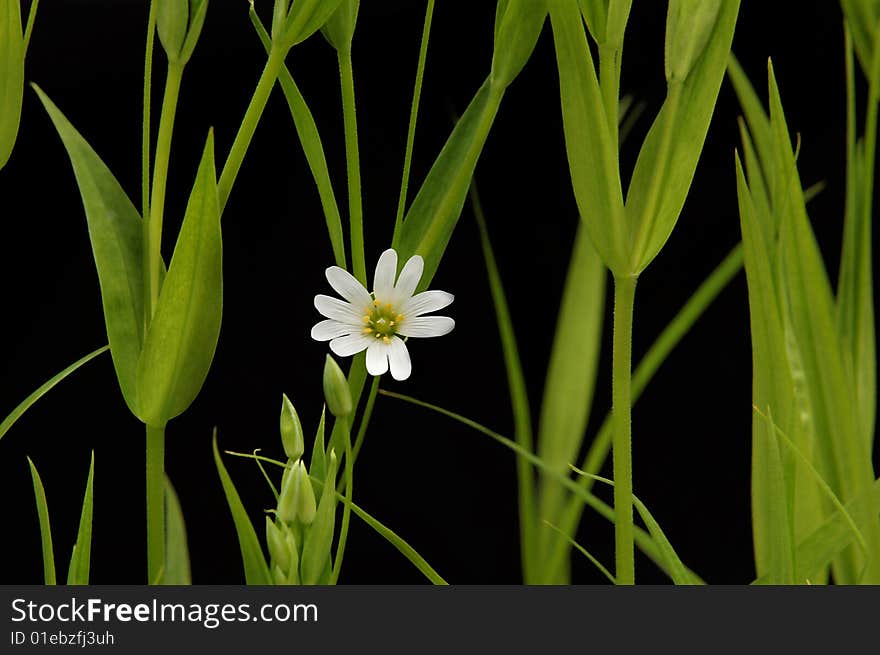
pixel 278 550
pixel 291 430
pixel 172 23
pixel 689 24
pixel 297 500
pixel 336 390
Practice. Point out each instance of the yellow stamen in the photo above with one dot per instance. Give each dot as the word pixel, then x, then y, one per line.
pixel 368 330
pixel 367 318
pixel 386 340
pixel 399 318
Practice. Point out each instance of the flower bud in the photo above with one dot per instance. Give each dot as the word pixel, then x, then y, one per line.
pixel 179 23
pixel 336 390
pixel 689 24
pixel 297 500
pixel 278 551
pixel 291 430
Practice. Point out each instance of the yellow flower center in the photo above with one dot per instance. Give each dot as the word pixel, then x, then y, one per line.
pixel 381 320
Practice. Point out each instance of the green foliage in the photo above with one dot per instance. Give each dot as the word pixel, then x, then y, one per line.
pixel 80 559
pixel 177 567
pixel 45 527
pixel 12 50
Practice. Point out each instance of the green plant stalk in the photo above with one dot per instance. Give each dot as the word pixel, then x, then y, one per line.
pixel 346 511
pixel 411 131
pixel 148 86
pixel 609 85
pixel 155 503
pixel 153 226
pixel 365 419
pixel 621 400
pixel 353 167
pixel 249 123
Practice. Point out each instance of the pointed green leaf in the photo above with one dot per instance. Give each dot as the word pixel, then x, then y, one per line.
pixel 307 17
pixel 80 559
pixel 198 10
pixel 668 159
pixel 45 527
pixel 177 569
pixel 317 463
pixel 592 159
pixel 595 14
pixel 12 49
pixel 863 17
pixel 116 234
pixel 256 571
pixel 435 211
pixel 43 389
pixel 180 343
pixel 518 25
pixel 319 537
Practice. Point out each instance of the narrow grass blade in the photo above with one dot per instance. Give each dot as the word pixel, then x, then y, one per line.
pixel 44 388
pixel 80 559
pixel 45 527
pixel 313 148
pixel 256 570
pixel 116 234
pixel 12 48
pixel 571 542
pixel 177 568
pixel 182 337
pixel 518 398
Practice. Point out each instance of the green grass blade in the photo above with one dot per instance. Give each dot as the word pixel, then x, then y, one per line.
pixel 570 384
pixel 182 337
pixel 45 527
pixel 29 29
pixel 116 235
pixel 177 568
pixel 518 398
pixel 44 388
pixel 80 559
pixel 571 542
pixel 12 49
pixel 256 571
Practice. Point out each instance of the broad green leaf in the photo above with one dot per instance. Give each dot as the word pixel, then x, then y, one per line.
pixel 518 398
pixel 45 527
pixel 80 559
pixel 668 159
pixel 339 30
pixel 571 374
pixel 182 337
pixel 319 537
pixel 116 234
pixel 12 48
pixel 518 25
pixel 592 159
pixel 256 570
pixel 43 389
pixel 435 211
pixel 307 17
pixel 177 569
pixel 313 148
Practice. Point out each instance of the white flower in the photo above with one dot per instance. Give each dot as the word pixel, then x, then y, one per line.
pixel 375 322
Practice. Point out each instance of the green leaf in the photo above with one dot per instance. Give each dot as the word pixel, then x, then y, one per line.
pixel 571 542
pixel 592 159
pixel 313 148
pixel 307 17
pixel 116 234
pixel 43 389
pixel 177 569
pixel 668 159
pixel 45 527
pixel 182 337
pixel 863 17
pixel 12 48
pixel 256 570
pixel 319 537
pixel 689 25
pixel 595 14
pixel 618 17
pixel 571 375
pixel 80 559
pixel 317 463
pixel 435 211
pixel 518 25
pixel 198 9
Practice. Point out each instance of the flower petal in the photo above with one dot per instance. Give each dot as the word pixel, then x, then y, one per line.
pixel 347 286
pixel 377 357
pixel 350 344
pixel 426 326
pixel 409 278
pixel 427 301
pixel 398 357
pixel 330 329
pixel 338 310
pixel 386 271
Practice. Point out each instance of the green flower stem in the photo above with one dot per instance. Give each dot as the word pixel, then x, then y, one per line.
pixel 148 86
pixel 621 399
pixel 365 419
pixel 609 83
pixel 411 132
pixel 346 511
pixel 155 503
pixel 153 226
pixel 249 123
pixel 352 158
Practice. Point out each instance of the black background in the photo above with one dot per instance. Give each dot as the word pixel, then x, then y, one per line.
pixel 443 487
